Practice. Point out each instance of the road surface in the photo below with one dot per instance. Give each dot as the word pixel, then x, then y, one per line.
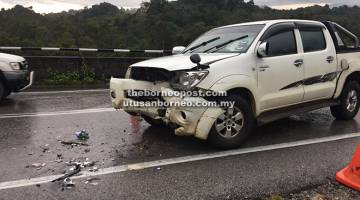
pixel 137 161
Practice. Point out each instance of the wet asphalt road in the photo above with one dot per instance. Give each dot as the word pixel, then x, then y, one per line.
pixel 118 139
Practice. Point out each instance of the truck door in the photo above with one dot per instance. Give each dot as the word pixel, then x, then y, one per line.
pixel 281 71
pixel 319 61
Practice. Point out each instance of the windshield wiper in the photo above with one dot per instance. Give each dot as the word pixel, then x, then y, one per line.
pixel 202 44
pixel 226 43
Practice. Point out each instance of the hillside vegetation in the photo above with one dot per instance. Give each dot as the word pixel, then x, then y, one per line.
pixel 158 24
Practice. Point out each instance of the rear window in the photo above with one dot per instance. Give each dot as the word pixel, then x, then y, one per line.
pixel 313 40
pixel 344 40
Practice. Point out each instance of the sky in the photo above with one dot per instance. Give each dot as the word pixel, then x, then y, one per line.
pixel 47 6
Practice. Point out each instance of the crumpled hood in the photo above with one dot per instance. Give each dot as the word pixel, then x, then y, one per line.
pixel 4 57
pixel 182 61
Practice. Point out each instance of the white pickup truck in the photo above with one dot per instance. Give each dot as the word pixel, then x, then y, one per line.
pixel 269 69
pixel 15 75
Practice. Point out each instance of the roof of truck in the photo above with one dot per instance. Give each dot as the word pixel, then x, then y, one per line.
pixel 271 22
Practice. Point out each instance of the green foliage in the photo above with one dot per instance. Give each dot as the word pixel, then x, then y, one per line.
pixel 157 24
pixel 84 76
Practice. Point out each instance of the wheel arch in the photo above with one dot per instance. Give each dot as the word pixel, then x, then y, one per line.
pixel 345 78
pixel 354 76
pixel 240 84
pixel 246 94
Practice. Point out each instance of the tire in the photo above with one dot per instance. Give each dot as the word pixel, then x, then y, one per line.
pixel 3 91
pixel 349 102
pixel 153 122
pixel 229 133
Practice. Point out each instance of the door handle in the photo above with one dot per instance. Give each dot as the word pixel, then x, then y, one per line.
pixel 299 62
pixel 263 68
pixel 330 59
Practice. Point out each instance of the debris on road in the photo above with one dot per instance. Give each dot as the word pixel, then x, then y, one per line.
pixel 45 148
pixel 87 163
pixel 38 166
pixel 74 143
pixel 82 135
pixel 68 183
pixel 92 181
pixel 94 169
pixel 76 170
pixel 59 158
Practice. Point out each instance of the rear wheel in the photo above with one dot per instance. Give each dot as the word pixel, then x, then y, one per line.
pixel 349 102
pixel 232 128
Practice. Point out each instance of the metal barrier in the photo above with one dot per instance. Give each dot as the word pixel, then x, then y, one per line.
pixel 102 66
pixel 84 50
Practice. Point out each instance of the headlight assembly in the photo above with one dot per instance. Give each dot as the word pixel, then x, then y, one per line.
pixel 15 65
pixel 188 80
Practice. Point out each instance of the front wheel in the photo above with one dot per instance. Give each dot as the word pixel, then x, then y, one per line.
pixel 232 127
pixel 3 91
pixel 349 102
pixel 153 122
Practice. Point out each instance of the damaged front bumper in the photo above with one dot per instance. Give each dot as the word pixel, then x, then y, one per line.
pixel 190 121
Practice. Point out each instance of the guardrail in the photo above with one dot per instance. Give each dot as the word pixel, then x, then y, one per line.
pixel 102 66
pixel 84 50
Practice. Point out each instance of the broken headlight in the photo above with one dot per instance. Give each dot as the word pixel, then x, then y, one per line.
pixel 187 80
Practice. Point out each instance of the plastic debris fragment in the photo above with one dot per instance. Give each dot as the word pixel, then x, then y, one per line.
pixel 94 169
pixel 74 143
pixel 68 183
pixel 82 135
pixel 76 170
pixel 38 166
pixel 92 181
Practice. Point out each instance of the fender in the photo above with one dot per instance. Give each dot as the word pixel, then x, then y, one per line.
pixel 354 66
pixel 238 81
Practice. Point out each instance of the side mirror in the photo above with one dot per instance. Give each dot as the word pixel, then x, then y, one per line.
pixel 344 64
pixel 263 50
pixel 195 58
pixel 178 50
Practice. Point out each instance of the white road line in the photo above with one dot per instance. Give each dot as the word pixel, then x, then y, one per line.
pixel 56 113
pixel 65 91
pixel 178 160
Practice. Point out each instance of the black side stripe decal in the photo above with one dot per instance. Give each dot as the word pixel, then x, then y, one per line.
pixel 313 80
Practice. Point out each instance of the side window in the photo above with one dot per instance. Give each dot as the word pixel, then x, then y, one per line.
pixel 344 40
pixel 283 43
pixel 313 40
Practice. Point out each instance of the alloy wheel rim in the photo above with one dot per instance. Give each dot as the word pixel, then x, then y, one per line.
pixel 230 123
pixel 351 101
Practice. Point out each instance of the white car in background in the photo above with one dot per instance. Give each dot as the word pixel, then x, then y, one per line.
pixel 14 74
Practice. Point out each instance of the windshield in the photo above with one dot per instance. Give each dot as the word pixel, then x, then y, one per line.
pixel 235 39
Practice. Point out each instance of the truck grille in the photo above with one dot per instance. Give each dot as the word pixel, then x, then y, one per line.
pixel 150 74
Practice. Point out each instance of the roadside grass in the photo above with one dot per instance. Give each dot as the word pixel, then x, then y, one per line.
pixel 83 76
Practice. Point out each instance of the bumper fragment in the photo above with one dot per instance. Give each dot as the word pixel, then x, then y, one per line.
pixel 191 121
